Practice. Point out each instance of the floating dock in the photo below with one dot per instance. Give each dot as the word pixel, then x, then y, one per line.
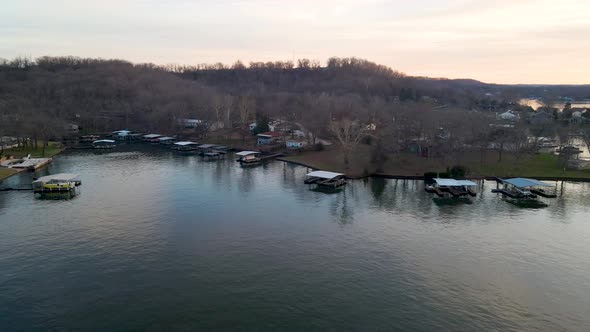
pixel 61 182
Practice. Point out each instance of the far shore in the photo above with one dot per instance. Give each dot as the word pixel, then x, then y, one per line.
pixel 399 166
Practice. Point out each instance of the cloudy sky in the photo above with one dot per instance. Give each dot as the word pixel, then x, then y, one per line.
pixel 503 41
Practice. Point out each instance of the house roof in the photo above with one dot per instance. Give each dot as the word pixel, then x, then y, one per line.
pixel 454 183
pixel 246 153
pixel 524 182
pixel 270 134
pixel 324 174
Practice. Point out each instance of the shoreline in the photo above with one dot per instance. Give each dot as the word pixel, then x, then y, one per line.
pixel 421 177
pixel 17 171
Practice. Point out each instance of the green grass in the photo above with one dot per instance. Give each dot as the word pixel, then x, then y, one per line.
pixel 6 172
pixel 51 150
pixel 538 165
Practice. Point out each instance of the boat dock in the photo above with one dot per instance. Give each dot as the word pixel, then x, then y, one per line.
pixel 61 182
pixel 27 163
pixel 523 188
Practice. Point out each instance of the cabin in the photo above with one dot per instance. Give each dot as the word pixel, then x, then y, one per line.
pixel 295 144
pixel 104 144
pixel 269 137
pixel 325 179
pixel 56 183
pixel 248 157
pixel 185 146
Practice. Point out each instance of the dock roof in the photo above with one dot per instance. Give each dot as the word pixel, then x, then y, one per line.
pixel 454 183
pixel 103 141
pixel 59 177
pixel 206 146
pixel 184 143
pixel 165 138
pixel 324 174
pixel 524 182
pixel 246 153
pixel 152 135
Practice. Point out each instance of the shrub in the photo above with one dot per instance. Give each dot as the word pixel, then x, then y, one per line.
pixel 459 171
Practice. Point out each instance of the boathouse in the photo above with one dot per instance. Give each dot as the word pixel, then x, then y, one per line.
pixel 269 137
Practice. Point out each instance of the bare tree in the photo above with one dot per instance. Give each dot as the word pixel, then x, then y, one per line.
pixel 348 133
pixel 246 107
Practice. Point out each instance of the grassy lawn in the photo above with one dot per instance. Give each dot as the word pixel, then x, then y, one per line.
pixel 51 150
pixel 538 165
pixel 6 172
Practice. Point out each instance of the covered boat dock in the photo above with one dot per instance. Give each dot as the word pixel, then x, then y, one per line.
pixel 325 179
pixel 452 187
pixel 56 183
pixel 523 188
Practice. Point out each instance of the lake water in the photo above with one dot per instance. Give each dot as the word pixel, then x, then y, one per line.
pixel 536 103
pixel 158 241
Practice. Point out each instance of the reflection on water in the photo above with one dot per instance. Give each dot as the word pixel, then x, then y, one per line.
pixel 535 103
pixel 158 240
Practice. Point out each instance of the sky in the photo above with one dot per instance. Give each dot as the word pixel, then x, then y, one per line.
pixel 495 41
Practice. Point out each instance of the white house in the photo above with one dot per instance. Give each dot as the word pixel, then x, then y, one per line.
pixel 508 116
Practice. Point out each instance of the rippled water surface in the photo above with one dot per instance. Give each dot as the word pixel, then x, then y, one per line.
pixel 159 241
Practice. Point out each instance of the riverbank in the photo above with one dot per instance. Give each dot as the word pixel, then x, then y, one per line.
pixel 411 166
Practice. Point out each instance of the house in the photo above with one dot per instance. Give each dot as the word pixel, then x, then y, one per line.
pixel 7 142
pixel 298 133
pixel 72 128
pixel 579 115
pixel 542 117
pixel 190 123
pixel 295 144
pixel 252 126
pixel 508 116
pixel 269 137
